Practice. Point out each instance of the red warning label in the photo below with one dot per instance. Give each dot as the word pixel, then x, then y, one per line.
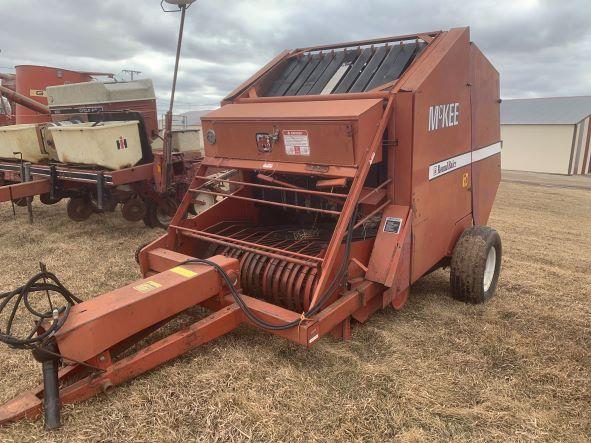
pixel 296 142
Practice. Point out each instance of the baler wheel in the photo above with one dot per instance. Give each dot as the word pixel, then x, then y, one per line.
pixel 22 202
pixel 80 208
pixel 475 265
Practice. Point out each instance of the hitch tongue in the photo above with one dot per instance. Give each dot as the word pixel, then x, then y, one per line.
pixel 49 360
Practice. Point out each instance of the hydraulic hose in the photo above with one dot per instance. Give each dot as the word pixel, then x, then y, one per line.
pixel 45 282
pixel 310 312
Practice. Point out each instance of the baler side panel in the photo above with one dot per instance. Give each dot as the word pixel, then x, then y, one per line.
pixel 441 151
pixel 486 132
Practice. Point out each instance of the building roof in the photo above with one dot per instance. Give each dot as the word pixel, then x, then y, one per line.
pixel 545 111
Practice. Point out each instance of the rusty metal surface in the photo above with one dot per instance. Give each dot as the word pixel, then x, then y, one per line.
pixel 22 100
pixel 22 190
pixel 302 110
pixel 439 202
pixel 31 82
pixel 336 135
pixel 104 321
pixel 485 101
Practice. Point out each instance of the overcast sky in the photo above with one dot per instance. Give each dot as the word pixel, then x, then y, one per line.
pixel 540 47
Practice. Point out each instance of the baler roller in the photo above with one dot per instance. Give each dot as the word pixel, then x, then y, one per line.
pixel 280 280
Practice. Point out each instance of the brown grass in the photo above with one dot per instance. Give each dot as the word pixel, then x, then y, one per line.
pixel 517 368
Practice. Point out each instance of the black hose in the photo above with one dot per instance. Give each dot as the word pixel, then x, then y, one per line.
pixel 310 312
pixel 42 282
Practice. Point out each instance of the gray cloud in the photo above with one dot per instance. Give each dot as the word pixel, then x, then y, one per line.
pixel 540 47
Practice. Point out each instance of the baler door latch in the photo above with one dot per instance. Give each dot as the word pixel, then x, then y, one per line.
pixel 265 140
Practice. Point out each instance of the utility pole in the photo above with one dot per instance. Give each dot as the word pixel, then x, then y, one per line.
pixel 166 171
pixel 131 72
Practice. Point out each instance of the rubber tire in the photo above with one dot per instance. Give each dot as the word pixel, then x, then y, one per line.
pixel 136 255
pixel 80 209
pixel 20 202
pixel 151 218
pixel 468 263
pixel 134 209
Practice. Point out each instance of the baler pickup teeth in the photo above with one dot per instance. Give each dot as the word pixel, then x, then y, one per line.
pixel 258 248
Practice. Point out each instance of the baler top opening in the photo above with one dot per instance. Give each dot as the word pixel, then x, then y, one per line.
pixel 354 67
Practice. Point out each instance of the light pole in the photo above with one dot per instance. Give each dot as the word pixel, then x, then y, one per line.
pixel 182 5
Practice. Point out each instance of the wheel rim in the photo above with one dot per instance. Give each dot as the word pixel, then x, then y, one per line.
pixel 166 214
pixel 209 201
pixel 489 268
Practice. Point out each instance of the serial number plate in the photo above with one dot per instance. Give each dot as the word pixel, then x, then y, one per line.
pixel 393 225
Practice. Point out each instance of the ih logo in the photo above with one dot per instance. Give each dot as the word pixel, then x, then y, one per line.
pixel 121 143
pixel 443 116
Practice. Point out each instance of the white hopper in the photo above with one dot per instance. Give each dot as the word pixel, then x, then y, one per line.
pixel 183 140
pixel 26 139
pixel 112 145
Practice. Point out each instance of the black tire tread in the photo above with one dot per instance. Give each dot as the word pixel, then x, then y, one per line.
pixel 468 263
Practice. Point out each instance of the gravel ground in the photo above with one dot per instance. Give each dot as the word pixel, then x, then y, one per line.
pixel 517 368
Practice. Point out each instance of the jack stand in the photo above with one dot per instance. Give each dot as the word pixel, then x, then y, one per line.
pixel 51 392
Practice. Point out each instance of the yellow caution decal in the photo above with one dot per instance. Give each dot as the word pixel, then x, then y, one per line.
pixel 147 286
pixel 183 271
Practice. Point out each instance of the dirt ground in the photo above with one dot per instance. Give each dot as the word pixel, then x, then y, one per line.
pixel 517 368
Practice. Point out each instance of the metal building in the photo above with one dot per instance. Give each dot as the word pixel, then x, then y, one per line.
pixel 547 135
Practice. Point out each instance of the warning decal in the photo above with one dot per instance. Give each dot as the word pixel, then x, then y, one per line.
pixel 184 272
pixel 147 286
pixel 296 142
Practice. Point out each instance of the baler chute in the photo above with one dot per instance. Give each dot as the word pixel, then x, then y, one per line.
pixel 357 169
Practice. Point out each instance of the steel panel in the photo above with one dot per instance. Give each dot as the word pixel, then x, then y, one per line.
pixel 485 130
pixel 281 85
pixel 328 73
pixel 439 203
pixel 370 69
pixel 393 65
pixel 306 72
pixel 355 71
pixel 316 74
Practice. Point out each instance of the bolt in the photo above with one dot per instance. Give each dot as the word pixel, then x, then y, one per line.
pixel 102 358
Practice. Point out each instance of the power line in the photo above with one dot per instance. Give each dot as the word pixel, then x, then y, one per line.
pixel 131 72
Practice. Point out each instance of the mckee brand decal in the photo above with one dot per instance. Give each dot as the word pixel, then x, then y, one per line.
pixel 443 116
pixel 451 164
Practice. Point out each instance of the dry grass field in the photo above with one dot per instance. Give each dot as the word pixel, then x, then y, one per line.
pixel 515 369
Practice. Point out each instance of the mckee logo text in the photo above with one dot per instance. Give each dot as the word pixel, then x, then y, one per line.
pixel 443 116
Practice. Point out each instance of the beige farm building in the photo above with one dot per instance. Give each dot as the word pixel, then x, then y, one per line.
pixel 547 135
